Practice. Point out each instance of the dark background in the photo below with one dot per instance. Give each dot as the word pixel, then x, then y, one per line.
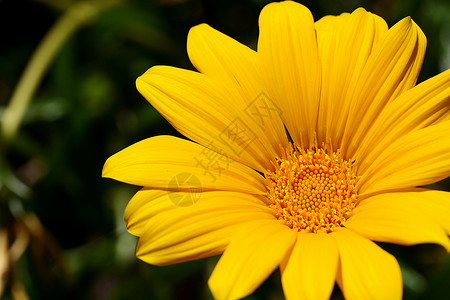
pixel 61 222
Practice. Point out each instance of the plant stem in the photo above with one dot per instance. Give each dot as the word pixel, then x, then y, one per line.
pixel 74 17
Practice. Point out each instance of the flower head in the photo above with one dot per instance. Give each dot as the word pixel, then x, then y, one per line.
pixel 303 154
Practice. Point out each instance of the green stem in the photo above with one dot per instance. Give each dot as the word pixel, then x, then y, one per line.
pixel 75 16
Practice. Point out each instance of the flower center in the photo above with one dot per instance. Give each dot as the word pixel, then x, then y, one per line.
pixel 312 190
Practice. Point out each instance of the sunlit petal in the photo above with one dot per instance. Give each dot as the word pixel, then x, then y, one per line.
pixel 204 110
pixel 345 44
pixel 391 69
pixel 290 66
pixel 252 255
pixel 310 270
pixel 236 66
pixel 418 158
pixel 366 270
pixel 403 218
pixel 201 230
pixel 170 163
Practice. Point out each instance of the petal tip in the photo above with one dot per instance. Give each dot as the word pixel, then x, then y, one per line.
pixel 106 170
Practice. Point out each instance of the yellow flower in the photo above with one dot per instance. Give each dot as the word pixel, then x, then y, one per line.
pixel 303 153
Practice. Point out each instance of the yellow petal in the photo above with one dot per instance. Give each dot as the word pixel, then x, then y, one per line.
pixel 366 270
pixel 252 255
pixel 418 158
pixel 170 163
pixel 206 111
pixel 236 65
pixel 310 270
pixel 405 218
pixel 345 43
pixel 145 204
pixel 436 204
pixel 290 66
pixel 426 104
pixel 392 68
pixel 201 230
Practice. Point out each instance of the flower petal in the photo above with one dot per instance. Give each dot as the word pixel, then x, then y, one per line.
pixel 418 158
pixel 170 163
pixel 290 66
pixel 366 270
pixel 345 44
pixel 426 104
pixel 436 204
pixel 252 255
pixel 145 204
pixel 310 271
pixel 392 68
pixel 201 230
pixel 215 54
pixel 402 218
pixel 204 110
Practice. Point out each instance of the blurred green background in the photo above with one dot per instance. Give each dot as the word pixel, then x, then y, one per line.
pixel 62 234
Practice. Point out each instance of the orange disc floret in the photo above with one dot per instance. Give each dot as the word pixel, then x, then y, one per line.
pixel 312 190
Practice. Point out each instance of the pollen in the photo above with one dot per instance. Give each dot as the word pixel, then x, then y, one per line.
pixel 312 190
